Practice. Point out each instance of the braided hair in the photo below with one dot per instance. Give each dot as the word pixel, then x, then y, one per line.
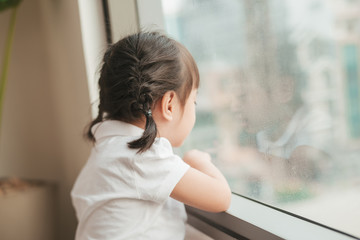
pixel 136 72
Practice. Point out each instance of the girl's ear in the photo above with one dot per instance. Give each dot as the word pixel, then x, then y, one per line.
pixel 168 104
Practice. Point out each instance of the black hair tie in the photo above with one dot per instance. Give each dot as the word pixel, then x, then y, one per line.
pixel 148 113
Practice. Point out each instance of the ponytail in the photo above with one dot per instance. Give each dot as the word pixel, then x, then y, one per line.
pixel 143 104
pixel 148 137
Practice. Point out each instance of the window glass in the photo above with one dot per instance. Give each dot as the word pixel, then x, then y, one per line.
pixel 279 101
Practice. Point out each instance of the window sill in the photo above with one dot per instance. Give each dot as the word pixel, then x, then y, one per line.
pixel 249 219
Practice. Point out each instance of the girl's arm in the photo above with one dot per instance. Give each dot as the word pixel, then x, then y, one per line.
pixel 203 186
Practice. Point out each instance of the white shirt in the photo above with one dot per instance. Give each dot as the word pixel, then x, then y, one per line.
pixel 123 195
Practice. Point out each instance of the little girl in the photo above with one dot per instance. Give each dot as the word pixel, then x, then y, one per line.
pixel 133 185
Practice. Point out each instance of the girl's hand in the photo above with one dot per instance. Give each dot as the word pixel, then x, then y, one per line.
pixel 203 186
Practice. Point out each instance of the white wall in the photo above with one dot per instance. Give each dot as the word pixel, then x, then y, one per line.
pixel 47 102
pixel 123 18
pixel 29 116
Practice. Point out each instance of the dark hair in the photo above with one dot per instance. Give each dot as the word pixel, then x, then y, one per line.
pixel 136 72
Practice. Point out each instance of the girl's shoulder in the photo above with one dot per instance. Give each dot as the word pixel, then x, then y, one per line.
pixel 161 148
pixel 112 138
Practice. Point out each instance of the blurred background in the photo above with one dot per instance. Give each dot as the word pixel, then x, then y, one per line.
pixel 278 105
pixel 279 101
pixel 46 107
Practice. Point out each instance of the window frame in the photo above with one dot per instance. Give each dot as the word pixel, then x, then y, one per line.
pixel 250 219
pixel 246 218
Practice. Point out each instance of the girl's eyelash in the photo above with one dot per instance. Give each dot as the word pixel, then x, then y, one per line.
pixel 195 103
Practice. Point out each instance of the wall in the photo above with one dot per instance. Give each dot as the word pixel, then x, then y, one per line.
pixel 47 101
pixel 123 18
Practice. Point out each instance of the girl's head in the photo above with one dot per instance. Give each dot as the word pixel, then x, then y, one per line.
pixel 137 72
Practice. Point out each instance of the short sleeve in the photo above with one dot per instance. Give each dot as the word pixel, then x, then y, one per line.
pixel 157 171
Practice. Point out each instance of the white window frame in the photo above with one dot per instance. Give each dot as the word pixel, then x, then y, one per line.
pixel 246 218
pixel 251 219
pixel 93 32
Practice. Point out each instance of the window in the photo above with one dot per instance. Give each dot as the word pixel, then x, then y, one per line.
pixel 278 109
pixel 351 65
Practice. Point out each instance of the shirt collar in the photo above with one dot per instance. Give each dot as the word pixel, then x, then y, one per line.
pixel 111 128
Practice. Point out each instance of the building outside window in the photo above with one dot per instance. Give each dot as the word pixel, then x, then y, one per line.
pixel 351 65
pixel 279 101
